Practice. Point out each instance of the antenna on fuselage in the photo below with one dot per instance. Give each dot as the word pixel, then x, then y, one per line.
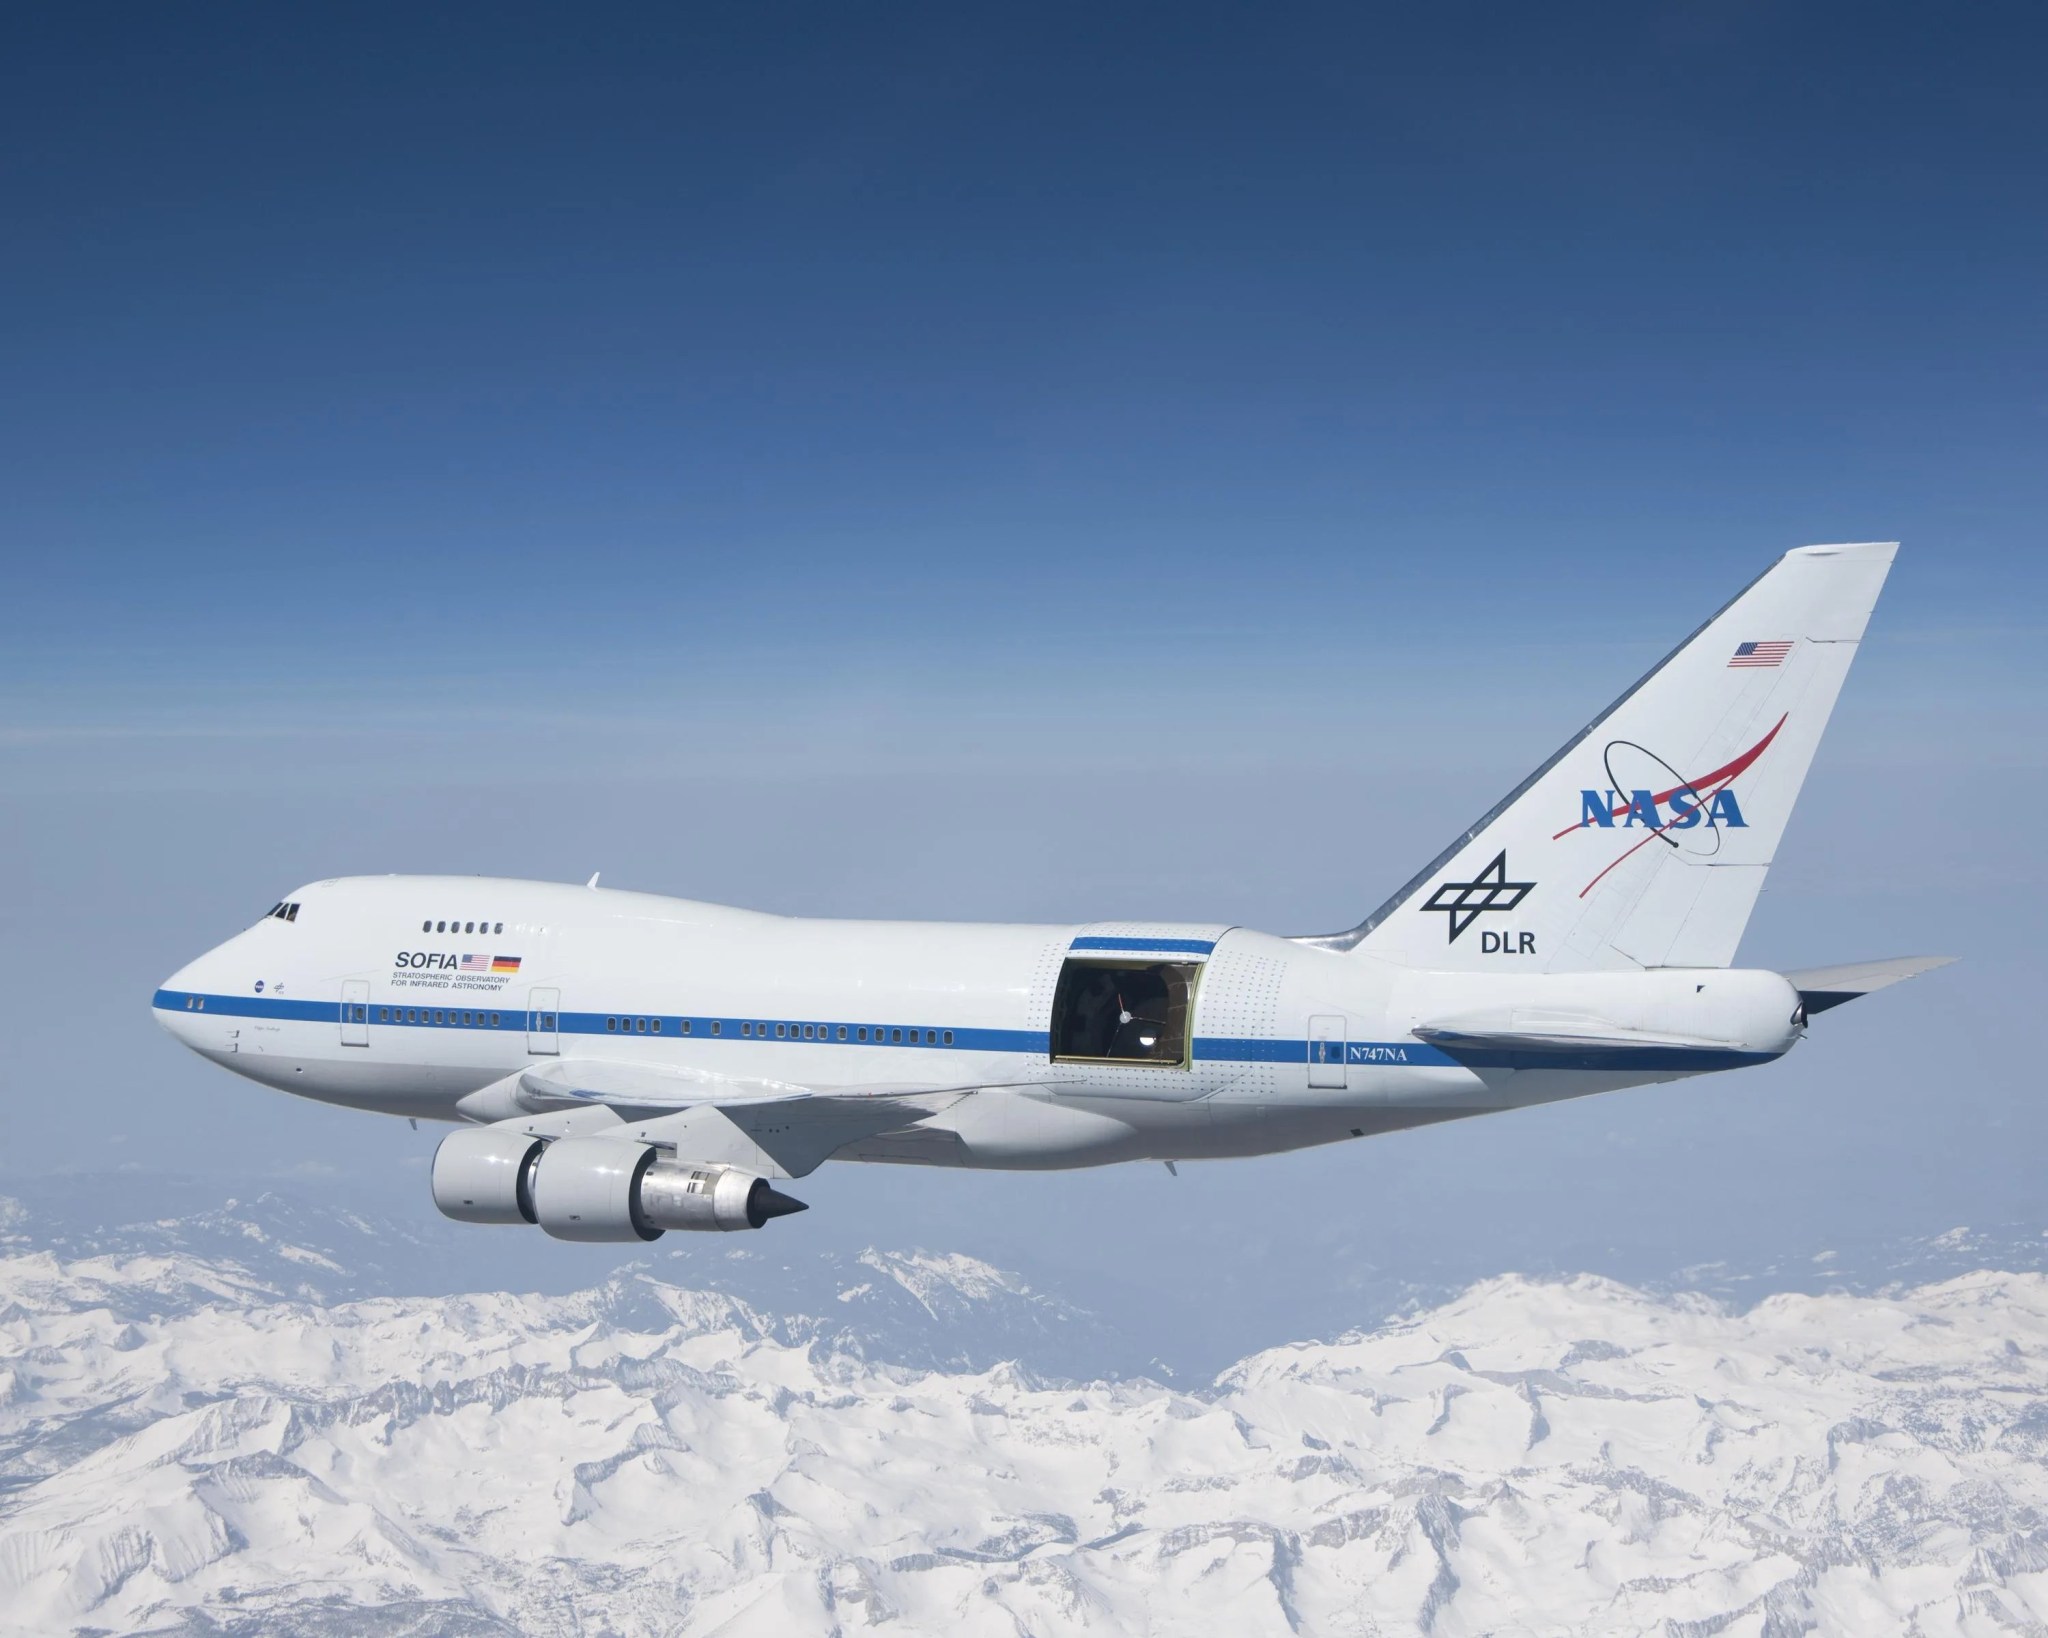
pixel 593 878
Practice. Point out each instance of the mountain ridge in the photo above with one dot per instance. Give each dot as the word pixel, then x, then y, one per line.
pixel 183 1452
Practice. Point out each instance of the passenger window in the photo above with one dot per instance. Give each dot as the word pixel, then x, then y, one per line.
pixel 1131 1012
pixel 842 1032
pixel 494 1020
pixel 895 1035
pixel 949 1037
pixel 780 1031
pixel 746 1029
pixel 862 1032
pixel 501 927
pixel 714 1026
pixel 641 1025
pixel 440 927
pixel 426 926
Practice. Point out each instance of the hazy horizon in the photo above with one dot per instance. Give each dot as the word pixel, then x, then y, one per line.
pixel 947 464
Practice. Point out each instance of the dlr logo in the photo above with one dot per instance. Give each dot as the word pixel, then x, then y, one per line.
pixel 1507 943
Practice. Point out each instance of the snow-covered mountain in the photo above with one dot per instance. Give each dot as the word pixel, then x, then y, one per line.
pixel 908 1307
pixel 186 1447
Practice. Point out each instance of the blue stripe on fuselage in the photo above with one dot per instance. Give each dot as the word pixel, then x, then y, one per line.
pixel 934 1037
pixel 1170 946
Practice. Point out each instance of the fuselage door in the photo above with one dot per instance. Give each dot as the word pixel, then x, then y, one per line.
pixel 1326 1038
pixel 543 1020
pixel 355 1012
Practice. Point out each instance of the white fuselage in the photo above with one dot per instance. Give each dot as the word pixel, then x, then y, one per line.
pixel 371 997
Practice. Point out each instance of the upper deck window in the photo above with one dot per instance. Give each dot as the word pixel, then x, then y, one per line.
pixel 1125 1012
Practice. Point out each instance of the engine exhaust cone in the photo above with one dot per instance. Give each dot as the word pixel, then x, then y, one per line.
pixel 764 1203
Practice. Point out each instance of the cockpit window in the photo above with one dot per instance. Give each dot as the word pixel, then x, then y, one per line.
pixel 282 912
pixel 1125 1012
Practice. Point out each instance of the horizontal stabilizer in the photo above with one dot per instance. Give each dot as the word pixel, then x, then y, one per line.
pixel 1586 1037
pixel 1823 987
pixel 1574 1038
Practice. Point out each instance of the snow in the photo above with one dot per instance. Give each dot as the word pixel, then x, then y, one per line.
pixel 181 1452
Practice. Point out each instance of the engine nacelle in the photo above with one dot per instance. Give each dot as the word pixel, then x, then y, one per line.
pixel 588 1188
pixel 600 1188
pixel 485 1175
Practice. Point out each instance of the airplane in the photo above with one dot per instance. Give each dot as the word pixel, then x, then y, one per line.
pixel 620 1064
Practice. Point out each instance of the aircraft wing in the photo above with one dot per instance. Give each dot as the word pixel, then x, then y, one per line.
pixel 773 1127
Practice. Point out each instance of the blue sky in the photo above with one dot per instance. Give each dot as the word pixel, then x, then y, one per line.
pixel 1013 463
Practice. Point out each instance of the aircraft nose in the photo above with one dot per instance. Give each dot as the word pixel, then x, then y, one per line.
pixel 180 1003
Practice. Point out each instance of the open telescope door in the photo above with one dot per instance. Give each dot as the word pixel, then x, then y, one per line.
pixel 1125 1011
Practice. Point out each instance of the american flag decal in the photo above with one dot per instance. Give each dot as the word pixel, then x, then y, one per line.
pixel 1759 654
pixel 476 964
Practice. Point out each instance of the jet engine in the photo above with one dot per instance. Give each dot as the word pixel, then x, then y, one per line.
pixel 485 1175
pixel 711 1198
pixel 594 1188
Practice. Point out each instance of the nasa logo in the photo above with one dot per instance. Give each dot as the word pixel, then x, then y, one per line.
pixel 1688 806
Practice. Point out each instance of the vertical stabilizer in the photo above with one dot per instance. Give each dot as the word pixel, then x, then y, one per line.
pixel 1644 841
